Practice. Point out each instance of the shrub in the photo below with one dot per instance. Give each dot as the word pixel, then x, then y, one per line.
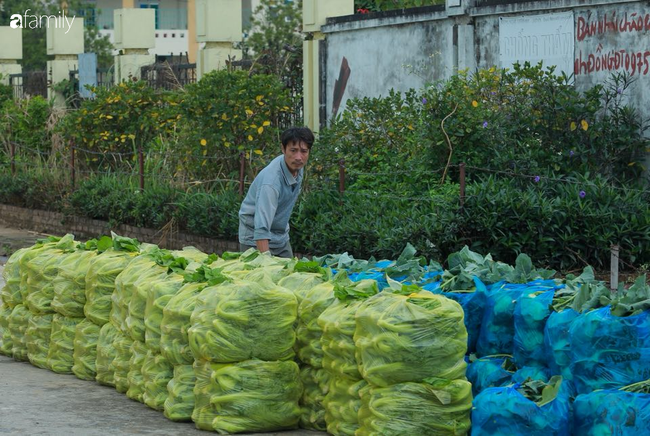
pixel 27 122
pixel 121 119
pixel 226 113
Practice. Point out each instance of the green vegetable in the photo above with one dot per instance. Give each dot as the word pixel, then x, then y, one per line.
pixel 156 373
pixel 316 382
pixel 106 354
pixel 6 344
pixel 402 338
pixel 17 323
pixel 70 283
pixel 174 343
pixel 308 331
pixel 86 337
pixel 122 345
pixel 37 339
pixel 243 320
pixel 250 396
pixel 433 407
pixel 179 404
pixel 342 404
pixel 539 391
pixel 60 355
pixel 135 377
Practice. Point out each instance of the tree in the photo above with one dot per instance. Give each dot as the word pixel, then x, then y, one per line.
pixel 34 40
pixel 275 39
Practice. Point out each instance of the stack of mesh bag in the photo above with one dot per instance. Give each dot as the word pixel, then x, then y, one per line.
pixel 339 359
pixel 410 348
pixel 242 337
pixel 100 285
pixel 157 371
pixel 314 296
pixel 39 268
pixel 10 298
pixel 533 408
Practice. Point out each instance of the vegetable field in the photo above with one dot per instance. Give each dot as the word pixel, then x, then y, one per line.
pixel 247 342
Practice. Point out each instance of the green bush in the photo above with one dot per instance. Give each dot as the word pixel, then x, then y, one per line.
pixel 226 113
pixel 387 5
pixel 562 224
pixel 119 200
pixel 121 119
pixel 210 214
pixel 27 121
pixel 525 120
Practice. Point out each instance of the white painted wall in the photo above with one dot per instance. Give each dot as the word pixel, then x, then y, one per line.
pixel 377 49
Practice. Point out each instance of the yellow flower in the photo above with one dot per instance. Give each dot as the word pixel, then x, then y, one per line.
pixel 227 144
pixel 258 152
pixel 249 112
pixel 259 97
pixel 266 123
pixel 224 117
pixel 584 124
pixel 475 103
pixel 260 130
pixel 204 142
pixel 573 126
pixel 250 137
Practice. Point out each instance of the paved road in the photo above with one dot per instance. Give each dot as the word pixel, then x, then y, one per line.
pixel 35 401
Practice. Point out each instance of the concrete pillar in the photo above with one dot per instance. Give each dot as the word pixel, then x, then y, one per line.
pixel 65 44
pixel 192 43
pixel 218 25
pixel 11 51
pixel 314 16
pixel 134 36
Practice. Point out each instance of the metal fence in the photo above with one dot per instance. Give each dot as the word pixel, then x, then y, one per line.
pixel 29 84
pixel 167 75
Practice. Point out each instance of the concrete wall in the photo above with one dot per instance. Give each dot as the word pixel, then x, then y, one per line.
pixel 608 36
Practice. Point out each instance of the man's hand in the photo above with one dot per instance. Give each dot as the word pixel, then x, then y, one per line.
pixel 262 245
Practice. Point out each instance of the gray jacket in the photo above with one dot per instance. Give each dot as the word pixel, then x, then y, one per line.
pixel 267 207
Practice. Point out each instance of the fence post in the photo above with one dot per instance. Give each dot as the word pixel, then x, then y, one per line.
pixel 613 268
pixel 13 158
pixel 462 184
pixel 141 160
pixel 341 176
pixel 242 168
pixel 72 166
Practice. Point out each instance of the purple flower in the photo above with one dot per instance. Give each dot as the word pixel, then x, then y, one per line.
pixel 619 91
pixel 571 153
pixel 536 179
pixel 582 194
pixel 485 124
pixel 424 100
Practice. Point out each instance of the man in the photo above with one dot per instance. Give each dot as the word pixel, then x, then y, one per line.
pixel 265 212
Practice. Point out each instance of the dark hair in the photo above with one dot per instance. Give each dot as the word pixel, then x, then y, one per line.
pixel 297 135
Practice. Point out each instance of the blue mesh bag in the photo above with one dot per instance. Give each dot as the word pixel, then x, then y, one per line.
pixel 498 324
pixel 612 412
pixel 557 345
pixel 488 372
pixel 532 372
pixel 505 411
pixel 609 351
pixel 531 312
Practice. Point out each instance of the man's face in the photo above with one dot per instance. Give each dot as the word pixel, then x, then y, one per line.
pixel 296 155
